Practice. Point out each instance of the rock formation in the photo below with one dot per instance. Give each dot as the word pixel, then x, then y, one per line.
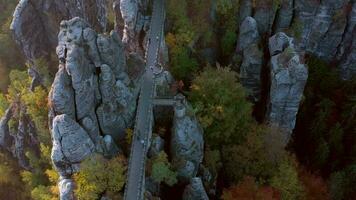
pixel 71 145
pixel 285 15
pixel 245 9
pixel 35 26
pixel 19 134
pixel 288 79
pixel 38 20
pixel 250 69
pixel 264 15
pixel 93 99
pixel 187 144
pixel 195 190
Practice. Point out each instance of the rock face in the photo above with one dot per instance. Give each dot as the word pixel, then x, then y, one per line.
pixel 37 20
pixel 322 28
pixel 71 145
pixel 66 187
pixel 250 69
pixel 285 15
pixel 93 99
pixel 135 23
pixel 264 15
pixel 35 26
pixel 327 30
pixel 187 144
pixel 248 33
pixel 21 135
pixel 348 45
pixel 195 190
pixel 288 79
pixel 245 9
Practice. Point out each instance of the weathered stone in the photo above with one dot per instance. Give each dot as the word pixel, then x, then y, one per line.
pixel 81 66
pixel 5 137
pixel 288 79
pixel 285 15
pixel 152 187
pixel 112 54
pixel 248 34
pixel 129 12
pixel 187 144
pixel 71 144
pixel 323 27
pixel 321 24
pixel 245 9
pixel 209 180
pixel 195 190
pixel 66 189
pixel 347 52
pixel 264 15
pixel 16 141
pixel 278 42
pixel 252 58
pixel 250 71
pixel 118 109
pixel 61 96
pixel 163 83
pixel 157 145
pixel 348 66
pixel 35 22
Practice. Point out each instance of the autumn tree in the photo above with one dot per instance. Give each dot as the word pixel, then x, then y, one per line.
pixel 315 186
pixel 248 189
pixel 259 156
pixel 98 175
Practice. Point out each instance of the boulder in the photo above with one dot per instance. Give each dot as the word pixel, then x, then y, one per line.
pixel 71 145
pixel 157 145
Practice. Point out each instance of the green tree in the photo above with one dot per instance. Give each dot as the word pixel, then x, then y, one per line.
pixel 4 104
pixel 343 183
pixel 36 104
pixel 162 170
pixel 220 104
pixel 11 186
pixel 287 181
pixel 10 56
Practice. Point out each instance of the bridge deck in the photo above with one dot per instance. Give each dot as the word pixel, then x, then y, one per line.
pixel 144 117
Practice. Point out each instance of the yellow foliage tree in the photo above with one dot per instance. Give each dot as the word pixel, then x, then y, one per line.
pixel 99 175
